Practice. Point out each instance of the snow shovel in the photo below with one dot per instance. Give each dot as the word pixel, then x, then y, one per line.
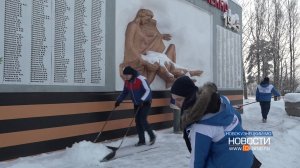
pixel 111 154
pixel 242 105
pixel 114 109
pixel 105 124
pixel 114 149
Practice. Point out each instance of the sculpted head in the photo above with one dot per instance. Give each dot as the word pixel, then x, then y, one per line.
pixel 144 15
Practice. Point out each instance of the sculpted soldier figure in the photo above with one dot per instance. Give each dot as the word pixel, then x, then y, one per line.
pixel 146 52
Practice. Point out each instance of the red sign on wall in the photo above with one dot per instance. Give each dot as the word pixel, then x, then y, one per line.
pixel 220 4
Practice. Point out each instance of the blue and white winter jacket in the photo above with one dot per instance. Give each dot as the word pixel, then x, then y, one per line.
pixel 139 90
pixel 210 145
pixel 264 92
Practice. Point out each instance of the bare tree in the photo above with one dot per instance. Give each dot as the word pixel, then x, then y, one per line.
pixel 265 50
pixel 246 39
pixel 270 35
pixel 293 30
pixel 253 32
pixel 275 32
pixel 257 30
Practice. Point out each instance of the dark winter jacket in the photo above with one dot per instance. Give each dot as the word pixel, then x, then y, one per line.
pixel 205 131
pixel 264 92
pixel 139 90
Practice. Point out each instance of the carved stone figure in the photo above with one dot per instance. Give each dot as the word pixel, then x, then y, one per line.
pixel 144 50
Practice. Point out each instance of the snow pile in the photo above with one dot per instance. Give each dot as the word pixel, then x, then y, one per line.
pixel 86 152
pixel 81 155
pixel 153 57
pixel 292 97
pixel 298 89
pixel 162 59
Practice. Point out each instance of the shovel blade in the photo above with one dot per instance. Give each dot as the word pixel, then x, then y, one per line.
pixel 111 154
pixel 112 148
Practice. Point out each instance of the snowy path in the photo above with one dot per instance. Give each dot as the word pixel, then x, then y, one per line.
pixel 171 151
pixel 285 147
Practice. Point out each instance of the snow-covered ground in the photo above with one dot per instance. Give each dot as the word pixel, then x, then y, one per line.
pixel 170 150
pixel 284 150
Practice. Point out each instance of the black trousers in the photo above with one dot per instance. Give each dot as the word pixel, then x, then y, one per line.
pixel 265 108
pixel 141 121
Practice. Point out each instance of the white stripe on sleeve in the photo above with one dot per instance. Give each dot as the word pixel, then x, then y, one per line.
pixel 145 85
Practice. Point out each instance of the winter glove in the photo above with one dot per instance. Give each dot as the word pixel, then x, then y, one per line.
pixel 238 107
pixel 187 140
pixel 117 104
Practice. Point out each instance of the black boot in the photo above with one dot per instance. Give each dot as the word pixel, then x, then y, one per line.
pixel 152 140
pixel 140 143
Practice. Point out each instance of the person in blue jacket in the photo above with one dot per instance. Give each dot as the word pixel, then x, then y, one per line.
pixel 137 86
pixel 206 116
pixel 264 93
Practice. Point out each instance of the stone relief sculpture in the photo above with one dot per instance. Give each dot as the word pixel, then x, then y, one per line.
pixel 144 50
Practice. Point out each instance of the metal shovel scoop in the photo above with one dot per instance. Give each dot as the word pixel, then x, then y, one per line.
pixel 111 154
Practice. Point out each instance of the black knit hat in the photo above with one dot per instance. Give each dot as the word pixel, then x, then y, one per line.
pixel 183 86
pixel 129 71
pixel 266 79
